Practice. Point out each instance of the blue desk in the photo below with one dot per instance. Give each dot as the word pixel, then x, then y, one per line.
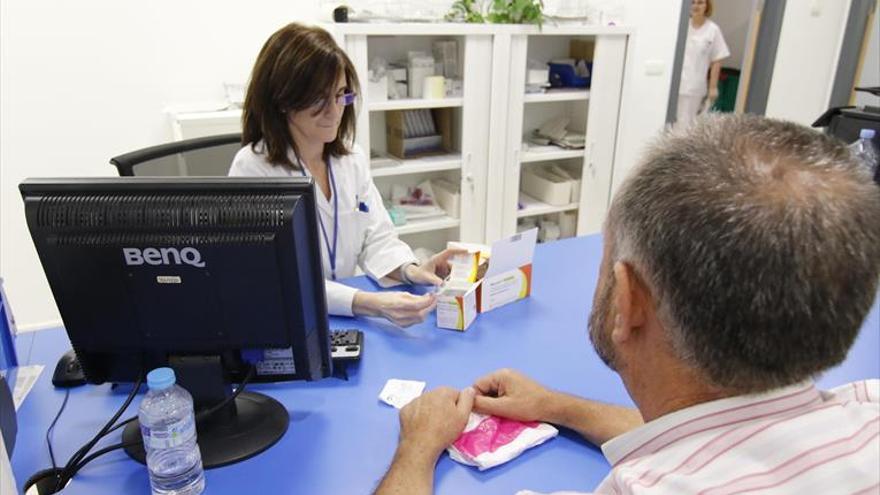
pixel 341 438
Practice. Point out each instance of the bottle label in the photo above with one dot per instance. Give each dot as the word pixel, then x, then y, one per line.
pixel 173 435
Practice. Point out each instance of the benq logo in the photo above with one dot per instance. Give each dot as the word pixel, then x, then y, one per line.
pixel 163 256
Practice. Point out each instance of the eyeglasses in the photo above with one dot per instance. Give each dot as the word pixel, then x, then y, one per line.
pixel 343 100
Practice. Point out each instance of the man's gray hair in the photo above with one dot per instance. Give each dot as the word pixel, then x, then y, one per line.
pixel 760 240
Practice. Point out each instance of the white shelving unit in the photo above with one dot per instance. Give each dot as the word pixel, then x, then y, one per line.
pixel 464 164
pixel 431 225
pixel 593 112
pixel 532 207
pixel 548 153
pixel 387 167
pixel 414 104
pixel 564 94
pixel 490 122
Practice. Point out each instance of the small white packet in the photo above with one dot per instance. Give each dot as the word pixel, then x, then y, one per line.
pixel 399 393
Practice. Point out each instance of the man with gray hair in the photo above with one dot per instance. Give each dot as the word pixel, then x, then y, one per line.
pixel 740 260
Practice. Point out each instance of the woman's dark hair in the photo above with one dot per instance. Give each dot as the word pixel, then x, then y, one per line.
pixel 296 69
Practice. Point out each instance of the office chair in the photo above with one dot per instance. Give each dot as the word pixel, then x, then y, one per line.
pixel 204 156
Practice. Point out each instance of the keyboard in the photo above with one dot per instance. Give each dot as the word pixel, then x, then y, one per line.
pixel 346 345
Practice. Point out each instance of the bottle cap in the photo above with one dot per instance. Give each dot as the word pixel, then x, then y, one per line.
pixel 161 378
pixel 867 134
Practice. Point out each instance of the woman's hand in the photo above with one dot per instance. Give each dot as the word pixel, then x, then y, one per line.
pixel 401 308
pixel 434 270
pixel 713 95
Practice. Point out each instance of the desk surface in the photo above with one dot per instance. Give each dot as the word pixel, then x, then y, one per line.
pixel 341 438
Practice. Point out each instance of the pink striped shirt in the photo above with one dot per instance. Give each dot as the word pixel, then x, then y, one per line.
pixel 792 440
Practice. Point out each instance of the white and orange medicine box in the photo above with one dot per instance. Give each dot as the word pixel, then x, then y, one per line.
pixel 485 279
pixel 457 298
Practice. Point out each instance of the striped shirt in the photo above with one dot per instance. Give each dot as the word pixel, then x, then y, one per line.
pixel 792 440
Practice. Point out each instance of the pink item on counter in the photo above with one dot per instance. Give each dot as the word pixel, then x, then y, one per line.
pixel 488 441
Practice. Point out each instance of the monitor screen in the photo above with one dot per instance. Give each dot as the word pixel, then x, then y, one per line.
pixel 215 277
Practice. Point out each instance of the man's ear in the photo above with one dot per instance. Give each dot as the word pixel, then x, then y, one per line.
pixel 629 303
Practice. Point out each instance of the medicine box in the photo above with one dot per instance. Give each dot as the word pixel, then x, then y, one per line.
pixel 508 276
pixel 457 306
pixel 457 298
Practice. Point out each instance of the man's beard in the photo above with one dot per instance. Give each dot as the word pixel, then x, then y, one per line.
pixel 600 318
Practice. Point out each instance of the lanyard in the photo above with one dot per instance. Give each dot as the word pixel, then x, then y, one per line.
pixel 331 251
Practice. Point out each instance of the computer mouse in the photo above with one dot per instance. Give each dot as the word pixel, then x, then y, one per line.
pixel 68 372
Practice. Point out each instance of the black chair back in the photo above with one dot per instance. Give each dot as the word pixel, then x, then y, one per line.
pixel 204 156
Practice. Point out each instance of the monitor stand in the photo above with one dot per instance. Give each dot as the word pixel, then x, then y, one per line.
pixel 238 431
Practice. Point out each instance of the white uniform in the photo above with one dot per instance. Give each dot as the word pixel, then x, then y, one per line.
pixel 704 46
pixel 366 238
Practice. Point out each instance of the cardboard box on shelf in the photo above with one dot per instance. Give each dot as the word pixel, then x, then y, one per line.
pixel 581 49
pixel 423 132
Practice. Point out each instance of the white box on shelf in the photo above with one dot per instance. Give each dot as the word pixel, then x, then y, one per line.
pixel 378 90
pixel 448 196
pixel 567 224
pixel 571 175
pixel 545 186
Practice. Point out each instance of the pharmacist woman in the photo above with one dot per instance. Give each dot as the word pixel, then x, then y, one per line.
pixel 299 120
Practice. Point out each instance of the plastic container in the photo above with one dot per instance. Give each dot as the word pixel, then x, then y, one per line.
pixel 865 151
pixel 564 76
pixel 168 428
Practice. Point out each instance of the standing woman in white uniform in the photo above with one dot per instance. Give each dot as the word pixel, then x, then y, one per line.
pixel 704 50
pixel 299 120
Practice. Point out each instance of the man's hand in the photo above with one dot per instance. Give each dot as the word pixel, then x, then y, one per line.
pixel 511 394
pixel 428 425
pixel 434 270
pixel 401 308
pixel 433 421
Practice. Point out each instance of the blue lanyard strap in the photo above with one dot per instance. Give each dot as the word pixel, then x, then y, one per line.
pixel 331 250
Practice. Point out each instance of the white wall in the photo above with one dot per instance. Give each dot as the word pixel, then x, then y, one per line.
pixel 645 90
pixel 806 59
pixel 733 17
pixel 83 81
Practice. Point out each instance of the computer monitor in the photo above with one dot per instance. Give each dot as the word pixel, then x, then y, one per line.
pixel 210 276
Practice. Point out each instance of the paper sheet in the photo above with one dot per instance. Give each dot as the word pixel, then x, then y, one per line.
pixel 399 393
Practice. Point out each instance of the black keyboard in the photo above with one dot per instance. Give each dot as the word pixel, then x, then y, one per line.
pixel 346 345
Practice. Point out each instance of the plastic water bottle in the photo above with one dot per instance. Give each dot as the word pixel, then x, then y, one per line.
pixel 864 149
pixel 169 430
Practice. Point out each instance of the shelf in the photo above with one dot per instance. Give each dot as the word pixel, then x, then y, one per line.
pixel 550 152
pixel 533 207
pixel 414 103
pixel 566 94
pixel 428 225
pixel 386 167
pixel 463 29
